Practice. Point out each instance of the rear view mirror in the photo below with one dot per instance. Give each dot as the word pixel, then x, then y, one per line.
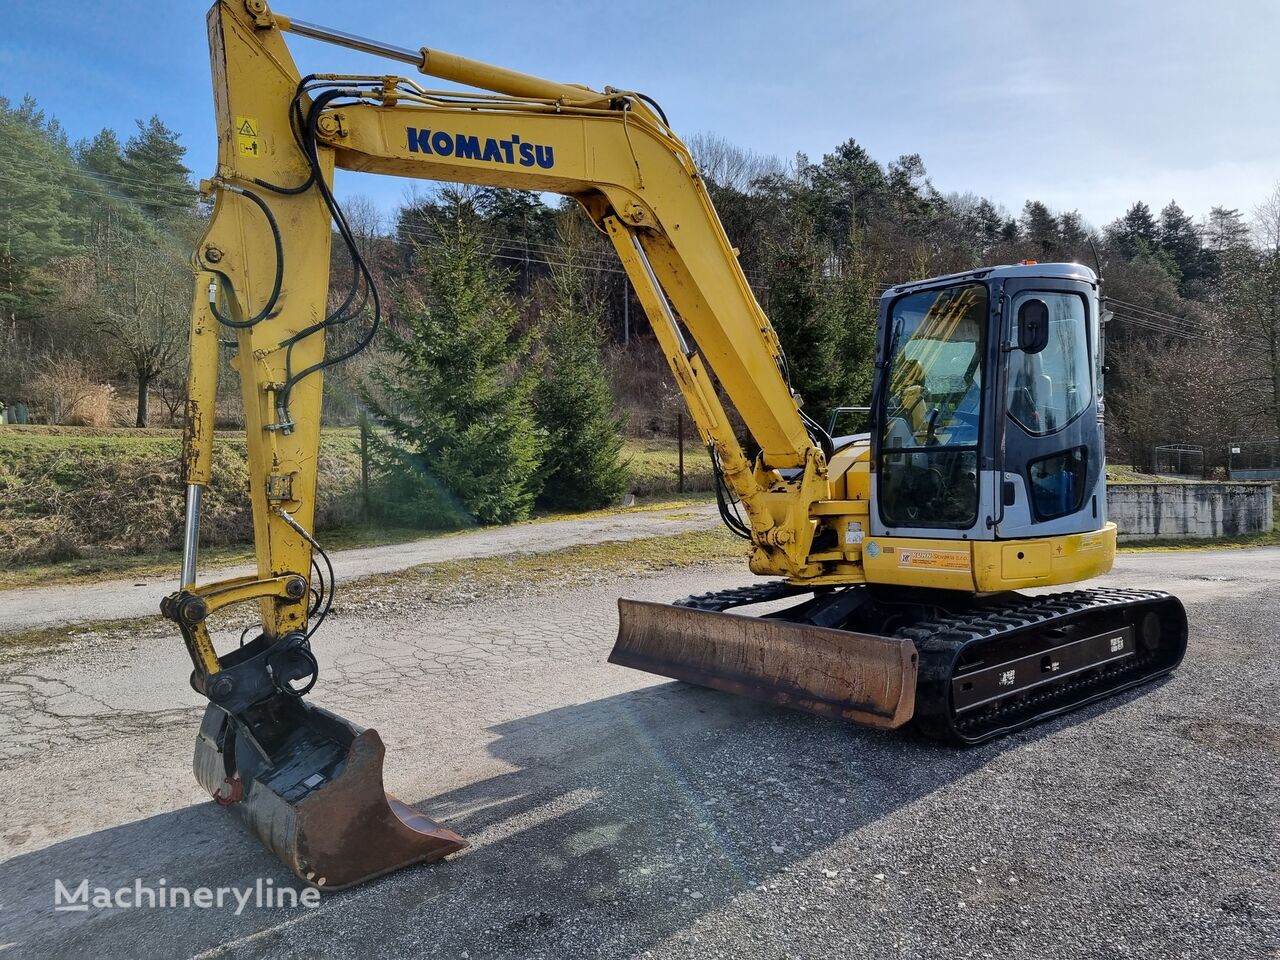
pixel 1033 326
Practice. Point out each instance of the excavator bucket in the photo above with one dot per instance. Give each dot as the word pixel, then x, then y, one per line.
pixel 834 673
pixel 309 784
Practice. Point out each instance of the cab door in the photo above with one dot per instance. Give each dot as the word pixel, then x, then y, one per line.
pixel 1053 477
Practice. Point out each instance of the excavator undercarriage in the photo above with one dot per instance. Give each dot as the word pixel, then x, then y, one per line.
pixel 964 669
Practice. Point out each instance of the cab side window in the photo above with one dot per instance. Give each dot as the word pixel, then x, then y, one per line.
pixel 1049 389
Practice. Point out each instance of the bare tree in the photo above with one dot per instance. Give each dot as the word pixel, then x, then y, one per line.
pixel 728 165
pixel 139 299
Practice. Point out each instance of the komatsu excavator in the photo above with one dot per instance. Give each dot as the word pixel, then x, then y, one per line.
pixel 899 550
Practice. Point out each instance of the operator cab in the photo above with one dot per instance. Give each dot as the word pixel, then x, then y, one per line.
pixel 986 421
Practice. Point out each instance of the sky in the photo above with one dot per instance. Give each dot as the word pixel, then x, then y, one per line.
pixel 1084 105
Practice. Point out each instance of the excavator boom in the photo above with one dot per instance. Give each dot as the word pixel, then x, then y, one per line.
pixel 889 541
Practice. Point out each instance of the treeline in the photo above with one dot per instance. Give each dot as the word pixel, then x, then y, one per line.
pixel 94 237
pixel 95 292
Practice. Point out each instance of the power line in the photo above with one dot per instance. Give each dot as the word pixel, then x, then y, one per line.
pixel 109 180
pixel 96 194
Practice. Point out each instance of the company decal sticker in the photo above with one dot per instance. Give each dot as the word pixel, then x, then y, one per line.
pixel 933 559
pixel 1091 541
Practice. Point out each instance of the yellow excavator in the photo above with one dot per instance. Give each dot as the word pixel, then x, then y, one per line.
pixel 892 557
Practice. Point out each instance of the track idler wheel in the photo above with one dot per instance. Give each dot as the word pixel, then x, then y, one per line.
pixel 309 784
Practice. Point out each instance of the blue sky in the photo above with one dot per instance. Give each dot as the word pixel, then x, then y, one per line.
pixel 1087 105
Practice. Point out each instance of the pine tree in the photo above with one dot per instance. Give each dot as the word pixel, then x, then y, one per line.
pixel 1040 228
pixel 582 468
pixel 850 309
pixel 456 401
pixel 158 181
pixel 794 278
pixel 37 220
pixel 1074 233
pixel 1135 232
pixel 1179 238
pixel 102 155
pixel 986 224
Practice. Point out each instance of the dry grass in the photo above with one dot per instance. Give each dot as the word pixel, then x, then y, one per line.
pixel 70 494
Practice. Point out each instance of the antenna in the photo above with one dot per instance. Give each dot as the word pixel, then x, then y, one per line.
pixel 1096 262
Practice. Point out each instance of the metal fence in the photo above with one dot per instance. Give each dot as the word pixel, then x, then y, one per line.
pixel 1256 459
pixel 1178 459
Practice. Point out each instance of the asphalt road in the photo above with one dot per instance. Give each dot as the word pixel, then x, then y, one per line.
pixel 616 814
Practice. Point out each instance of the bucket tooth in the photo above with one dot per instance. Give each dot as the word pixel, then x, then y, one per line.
pixel 312 791
pixel 833 673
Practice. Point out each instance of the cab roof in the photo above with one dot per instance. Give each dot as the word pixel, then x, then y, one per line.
pixel 1057 271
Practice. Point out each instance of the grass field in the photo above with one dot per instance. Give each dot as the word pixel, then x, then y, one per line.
pixel 81 502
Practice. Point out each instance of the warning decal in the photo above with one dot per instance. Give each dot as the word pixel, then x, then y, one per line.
pixel 247 137
pixel 933 559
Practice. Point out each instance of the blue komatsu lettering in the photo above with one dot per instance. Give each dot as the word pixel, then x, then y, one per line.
pixel 467 146
pixel 419 140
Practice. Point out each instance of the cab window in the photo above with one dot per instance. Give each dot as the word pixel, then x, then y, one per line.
pixel 1050 388
pixel 932 408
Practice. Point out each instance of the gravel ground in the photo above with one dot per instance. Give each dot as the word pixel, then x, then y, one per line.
pixel 616 814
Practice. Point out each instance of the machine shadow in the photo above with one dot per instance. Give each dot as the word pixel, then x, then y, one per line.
pixel 614 814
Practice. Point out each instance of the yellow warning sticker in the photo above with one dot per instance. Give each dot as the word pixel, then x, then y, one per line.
pixel 247 137
pixel 933 559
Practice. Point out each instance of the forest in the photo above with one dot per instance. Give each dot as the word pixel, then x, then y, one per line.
pixel 510 328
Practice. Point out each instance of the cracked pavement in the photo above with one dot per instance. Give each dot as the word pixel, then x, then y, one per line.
pixel 613 813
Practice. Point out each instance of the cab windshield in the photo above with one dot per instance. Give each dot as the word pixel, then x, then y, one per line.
pixel 933 408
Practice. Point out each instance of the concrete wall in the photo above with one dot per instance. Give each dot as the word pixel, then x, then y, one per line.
pixel 1179 510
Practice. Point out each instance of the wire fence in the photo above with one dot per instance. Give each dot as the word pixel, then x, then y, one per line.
pixel 1178 459
pixel 1254 459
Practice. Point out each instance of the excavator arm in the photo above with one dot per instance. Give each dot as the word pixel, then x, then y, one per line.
pixel 262 278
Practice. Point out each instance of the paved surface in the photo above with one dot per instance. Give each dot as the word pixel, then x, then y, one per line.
pixel 615 814
pixel 29 608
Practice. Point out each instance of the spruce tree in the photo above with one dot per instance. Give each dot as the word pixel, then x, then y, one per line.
pixel 795 309
pixel 1180 239
pixel 456 399
pixel 582 467
pixel 850 309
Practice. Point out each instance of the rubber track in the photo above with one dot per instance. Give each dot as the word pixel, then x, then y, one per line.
pixel 722 600
pixel 942 639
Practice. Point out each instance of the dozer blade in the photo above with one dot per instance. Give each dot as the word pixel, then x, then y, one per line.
pixel 309 784
pixel 834 673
